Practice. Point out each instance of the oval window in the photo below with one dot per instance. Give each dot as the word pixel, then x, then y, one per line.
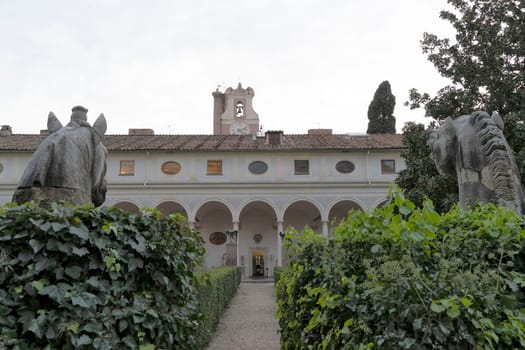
pixel 217 238
pixel 170 168
pixel 345 167
pixel 258 167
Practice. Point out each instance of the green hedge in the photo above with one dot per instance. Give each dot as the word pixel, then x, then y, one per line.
pixel 407 278
pixel 96 279
pixel 277 271
pixel 215 291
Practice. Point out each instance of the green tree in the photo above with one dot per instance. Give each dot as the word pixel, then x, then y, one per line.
pixel 485 63
pixel 486 67
pixel 420 179
pixel 380 111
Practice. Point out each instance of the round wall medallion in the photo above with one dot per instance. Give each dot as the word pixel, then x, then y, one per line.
pixel 257 238
pixel 345 167
pixel 170 168
pixel 217 238
pixel 258 167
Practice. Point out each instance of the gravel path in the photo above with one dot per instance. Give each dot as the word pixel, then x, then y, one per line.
pixel 249 322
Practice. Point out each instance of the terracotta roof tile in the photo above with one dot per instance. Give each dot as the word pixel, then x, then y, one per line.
pixel 26 143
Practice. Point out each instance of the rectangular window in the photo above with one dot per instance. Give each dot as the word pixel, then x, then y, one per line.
pixel 214 167
pixel 127 168
pixel 302 167
pixel 388 166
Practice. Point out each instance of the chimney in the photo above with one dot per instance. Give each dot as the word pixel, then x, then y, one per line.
pixel 6 130
pixel 319 131
pixel 274 137
pixel 218 110
pixel 141 132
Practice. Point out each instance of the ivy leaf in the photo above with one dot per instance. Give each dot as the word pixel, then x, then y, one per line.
pixel 466 301
pixel 437 307
pixel 44 226
pixel 453 312
pixel 83 340
pixel 375 249
pixel 33 324
pixel 80 251
pixel 35 327
pixel 80 231
pixel 418 323
pixel 73 327
pixel 36 245
pixel 39 285
pixel 73 271
pixel 57 226
pixel 140 245
pixel 85 300
pixel 56 292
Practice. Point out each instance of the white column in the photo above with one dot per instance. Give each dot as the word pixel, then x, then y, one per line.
pixel 191 224
pixel 235 225
pixel 279 243
pixel 325 228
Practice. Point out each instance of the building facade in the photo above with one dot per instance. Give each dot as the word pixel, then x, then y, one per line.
pixel 240 188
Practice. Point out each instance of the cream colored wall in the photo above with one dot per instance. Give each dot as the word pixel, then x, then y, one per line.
pixel 236 188
pixel 149 185
pixel 235 167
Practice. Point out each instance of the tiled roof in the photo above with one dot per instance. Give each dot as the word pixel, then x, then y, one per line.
pixel 18 142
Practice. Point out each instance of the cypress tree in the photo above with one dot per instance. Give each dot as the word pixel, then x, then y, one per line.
pixel 380 111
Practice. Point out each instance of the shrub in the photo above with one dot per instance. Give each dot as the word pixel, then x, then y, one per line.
pixel 277 271
pixel 216 289
pixel 407 278
pixel 96 279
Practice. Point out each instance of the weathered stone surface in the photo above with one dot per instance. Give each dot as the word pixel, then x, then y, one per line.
pixel 69 165
pixel 473 148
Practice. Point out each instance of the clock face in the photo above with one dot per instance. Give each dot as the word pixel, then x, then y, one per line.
pixel 239 128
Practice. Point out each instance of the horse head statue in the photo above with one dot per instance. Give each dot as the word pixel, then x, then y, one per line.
pixel 69 165
pixel 473 148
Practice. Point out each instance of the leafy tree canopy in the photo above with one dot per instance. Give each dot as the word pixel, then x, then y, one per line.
pixel 486 67
pixel 380 111
pixel 485 63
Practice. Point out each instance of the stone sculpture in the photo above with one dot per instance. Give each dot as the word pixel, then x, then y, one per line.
pixel 69 165
pixel 473 148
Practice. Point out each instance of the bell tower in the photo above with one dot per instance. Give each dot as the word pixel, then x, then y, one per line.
pixel 233 112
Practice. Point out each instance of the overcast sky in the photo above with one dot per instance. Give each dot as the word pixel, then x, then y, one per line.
pixel 154 64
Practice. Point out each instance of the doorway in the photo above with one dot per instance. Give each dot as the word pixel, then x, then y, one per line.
pixel 258 263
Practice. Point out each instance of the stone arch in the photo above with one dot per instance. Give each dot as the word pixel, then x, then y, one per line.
pixel 215 217
pixel 206 202
pixel 127 206
pixel 257 238
pixel 339 211
pixel 381 203
pixel 302 213
pixel 171 207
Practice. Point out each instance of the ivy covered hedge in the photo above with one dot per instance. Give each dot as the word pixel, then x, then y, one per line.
pixel 96 279
pixel 407 278
pixel 278 271
pixel 216 289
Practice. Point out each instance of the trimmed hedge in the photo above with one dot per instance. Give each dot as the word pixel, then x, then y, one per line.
pixel 216 289
pixel 407 278
pixel 96 279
